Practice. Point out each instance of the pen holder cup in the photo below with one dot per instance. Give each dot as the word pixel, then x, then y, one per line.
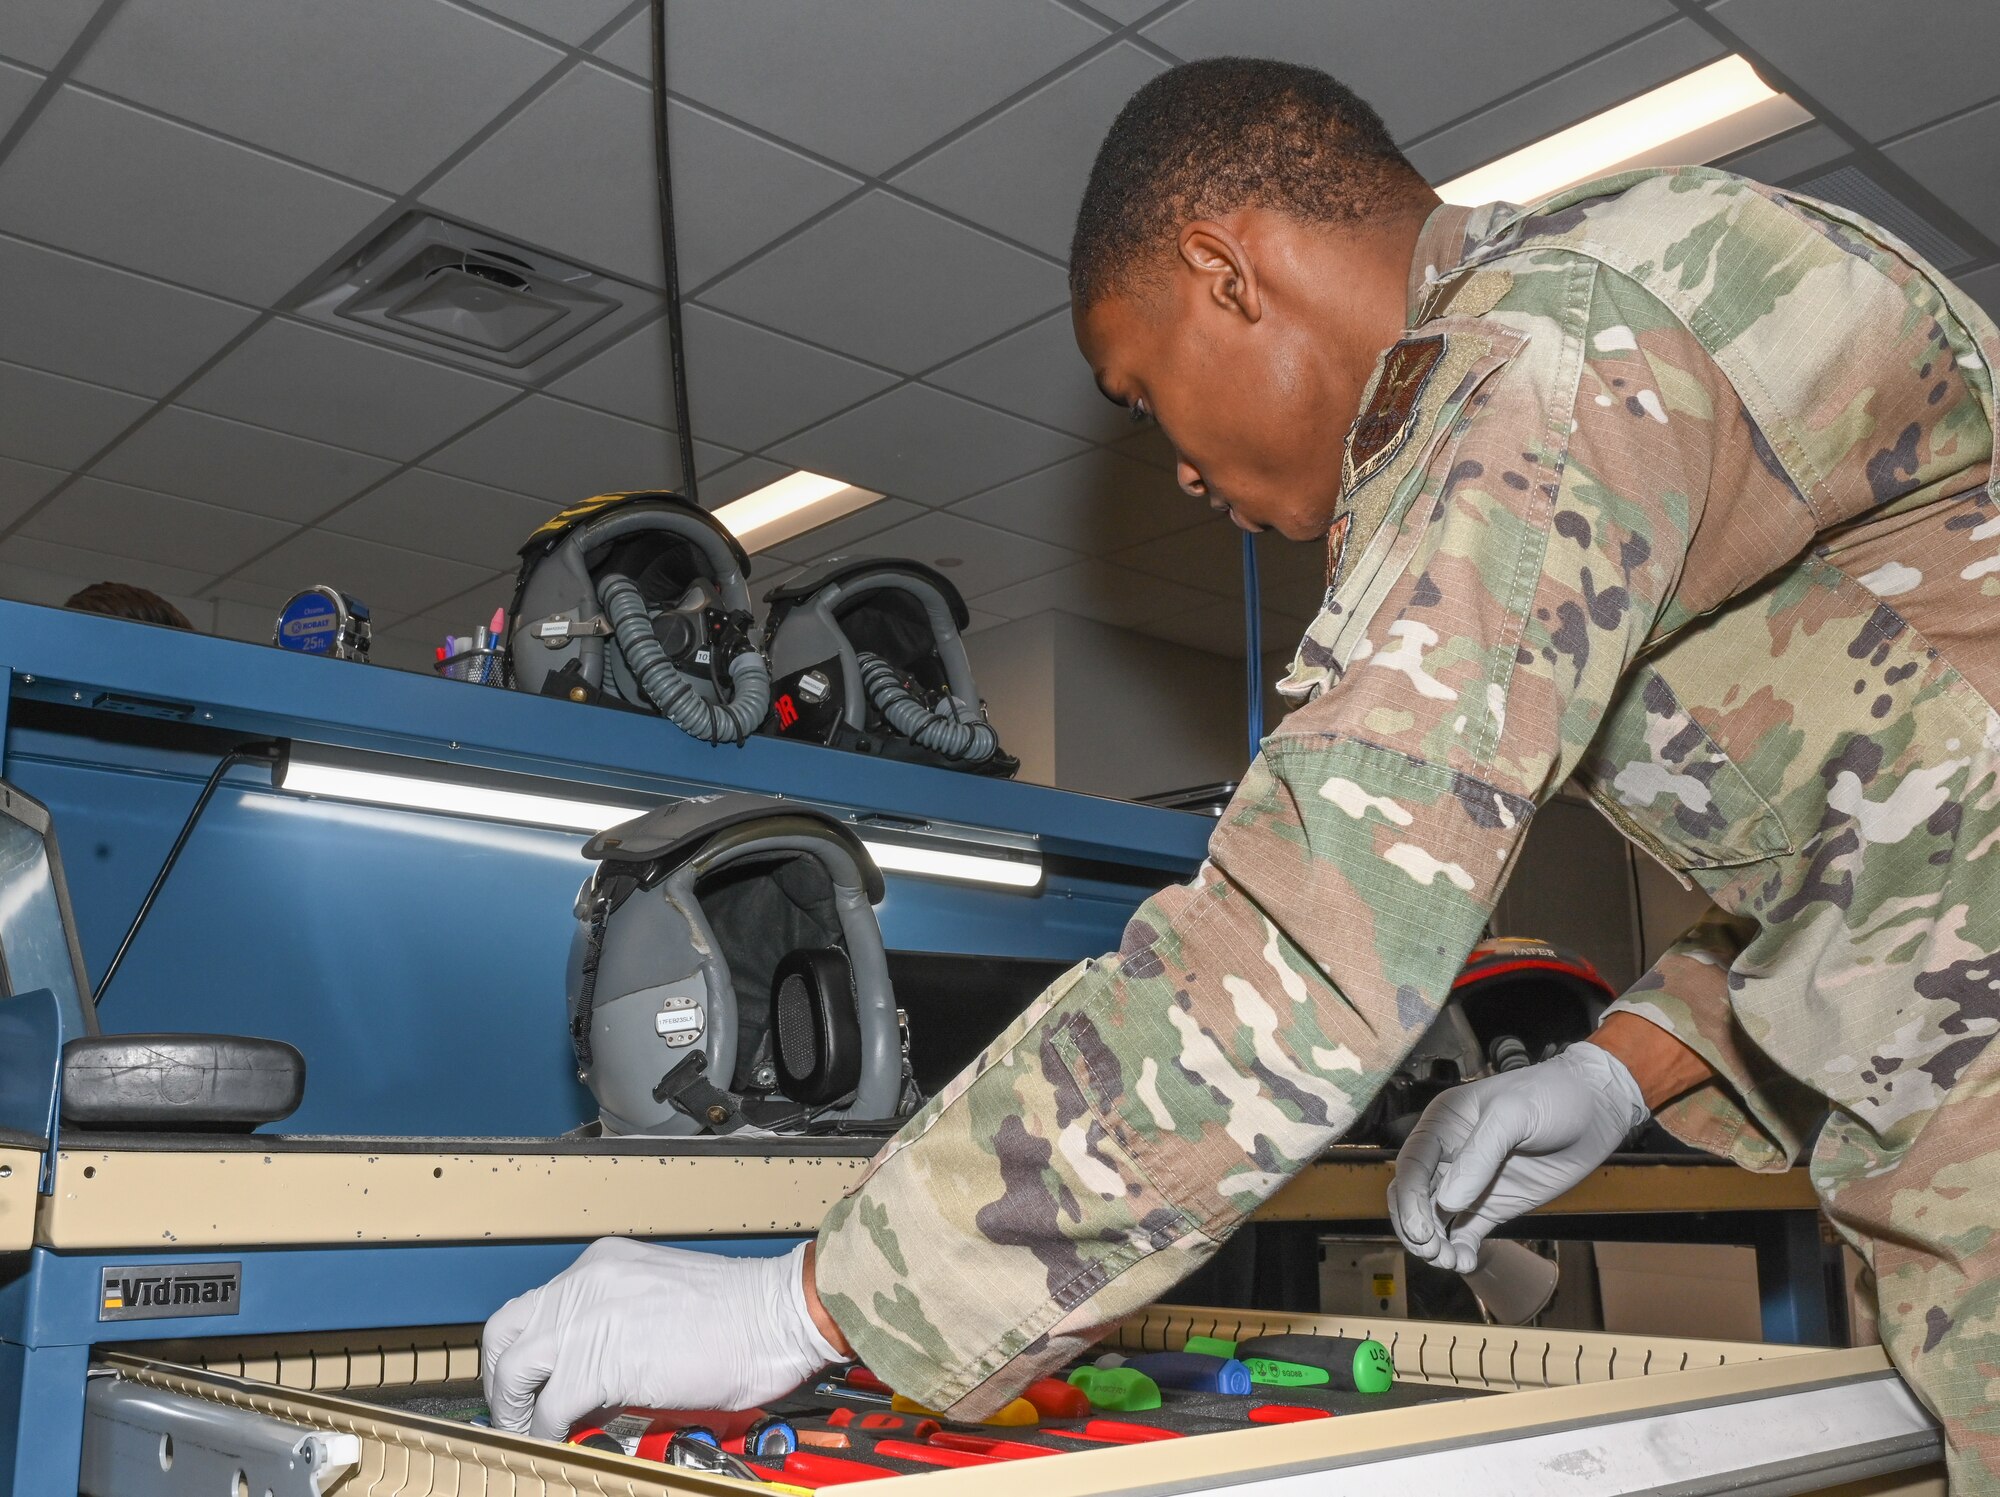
pixel 481 667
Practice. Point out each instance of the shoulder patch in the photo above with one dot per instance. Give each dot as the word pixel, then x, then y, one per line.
pixel 1385 424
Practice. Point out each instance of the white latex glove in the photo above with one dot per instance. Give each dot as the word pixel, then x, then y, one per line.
pixel 657 1327
pixel 1489 1151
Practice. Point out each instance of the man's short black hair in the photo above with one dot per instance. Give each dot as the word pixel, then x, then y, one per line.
pixel 1230 132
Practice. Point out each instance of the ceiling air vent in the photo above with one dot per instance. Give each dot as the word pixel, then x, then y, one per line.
pixel 1855 190
pixel 448 291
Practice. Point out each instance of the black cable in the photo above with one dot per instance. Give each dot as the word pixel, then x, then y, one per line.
pixel 664 171
pixel 267 752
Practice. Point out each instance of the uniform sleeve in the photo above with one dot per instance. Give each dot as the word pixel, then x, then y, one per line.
pixel 1749 1111
pixel 1105 1144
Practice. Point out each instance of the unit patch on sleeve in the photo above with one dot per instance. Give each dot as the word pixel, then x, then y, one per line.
pixel 1385 424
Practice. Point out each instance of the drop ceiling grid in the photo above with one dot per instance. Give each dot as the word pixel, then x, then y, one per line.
pixel 993 378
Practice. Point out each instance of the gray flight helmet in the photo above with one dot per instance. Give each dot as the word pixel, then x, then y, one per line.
pixel 728 970
pixel 824 630
pixel 693 575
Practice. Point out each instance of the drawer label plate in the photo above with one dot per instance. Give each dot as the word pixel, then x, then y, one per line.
pixel 160 1291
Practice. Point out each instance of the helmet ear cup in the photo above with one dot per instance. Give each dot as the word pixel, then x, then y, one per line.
pixel 818 1027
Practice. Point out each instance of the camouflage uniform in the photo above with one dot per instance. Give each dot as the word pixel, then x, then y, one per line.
pixel 1679 485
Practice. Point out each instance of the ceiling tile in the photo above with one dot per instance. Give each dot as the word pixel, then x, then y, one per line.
pixel 977 558
pixel 925 445
pixel 95 176
pixel 268 596
pixel 1470 52
pixel 976 620
pixel 1958 161
pixel 572 21
pixel 388 579
pixel 95 566
pixel 762 582
pixel 1149 445
pixel 1983 286
pixel 24 485
pixel 352 87
pixel 17 87
pixel 39 32
pixel 849 530
pixel 563 453
pixel 245 621
pixel 124 521
pixel 1022 172
pixel 1038 373
pixel 238 466
pixel 1125 12
pixel 747 386
pixel 1097 590
pixel 413 654
pixel 438 515
pixel 587 146
pixel 888 281
pixel 744 476
pixel 1208 555
pixel 45 418
pixel 1793 154
pixel 318 384
pixel 1096 503
pixel 1878 67
pixel 1218 629
pixel 866 82
pixel 1623 73
pixel 462 612
pixel 76 318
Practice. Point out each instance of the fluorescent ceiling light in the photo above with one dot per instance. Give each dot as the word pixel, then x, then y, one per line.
pixel 1712 112
pixel 301 773
pixel 793 505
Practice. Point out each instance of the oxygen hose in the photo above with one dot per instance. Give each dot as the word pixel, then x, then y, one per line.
pixel 961 735
pixel 667 688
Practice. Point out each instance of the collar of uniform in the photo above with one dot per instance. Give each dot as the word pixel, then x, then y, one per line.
pixel 1440 248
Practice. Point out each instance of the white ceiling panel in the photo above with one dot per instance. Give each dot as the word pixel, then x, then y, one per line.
pixel 88 566
pixel 1022 172
pixel 1882 68
pixel 39 32
pixel 977 558
pixel 1038 373
pixel 438 515
pixel 1464 54
pixel 1960 162
pixel 563 453
pixel 887 281
pixel 1125 12
pixel 1983 286
pixel 197 456
pixel 1149 445
pixel 45 418
pixel 572 21
pixel 107 326
pixel 1207 555
pixel 353 87
pixel 123 521
pixel 293 377
pixel 108 181
pixel 1097 502
pixel 1218 629
pixel 865 82
pixel 1095 589
pixel 849 530
pixel 23 486
pixel 587 146
pixel 747 386
pixel 925 445
pixel 17 87
pixel 390 580
pixel 1623 73
pixel 1790 155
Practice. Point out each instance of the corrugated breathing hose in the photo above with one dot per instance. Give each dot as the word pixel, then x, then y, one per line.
pixel 964 734
pixel 667 688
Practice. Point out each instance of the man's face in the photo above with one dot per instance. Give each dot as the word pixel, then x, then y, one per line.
pixel 1256 408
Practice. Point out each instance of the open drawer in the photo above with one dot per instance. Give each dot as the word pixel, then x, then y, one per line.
pixel 313 1416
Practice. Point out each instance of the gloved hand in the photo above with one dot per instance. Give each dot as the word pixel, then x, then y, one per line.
pixel 630 1323
pixel 1487 1152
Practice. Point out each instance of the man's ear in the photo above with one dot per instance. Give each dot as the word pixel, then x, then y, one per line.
pixel 1219 260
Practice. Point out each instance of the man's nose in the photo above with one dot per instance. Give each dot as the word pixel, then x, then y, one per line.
pixel 1189 478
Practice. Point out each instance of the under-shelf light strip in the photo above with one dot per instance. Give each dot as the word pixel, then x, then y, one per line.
pixel 307 776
